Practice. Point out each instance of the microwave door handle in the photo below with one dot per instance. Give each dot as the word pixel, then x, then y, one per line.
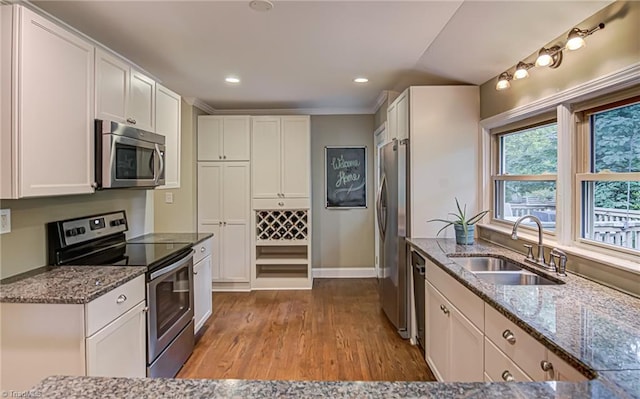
pixel 160 170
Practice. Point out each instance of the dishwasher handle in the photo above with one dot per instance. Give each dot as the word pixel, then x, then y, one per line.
pixel 418 262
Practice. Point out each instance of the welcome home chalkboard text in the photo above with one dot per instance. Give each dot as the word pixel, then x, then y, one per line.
pixel 346 177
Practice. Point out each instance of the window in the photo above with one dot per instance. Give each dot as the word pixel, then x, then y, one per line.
pixel 608 178
pixel 524 178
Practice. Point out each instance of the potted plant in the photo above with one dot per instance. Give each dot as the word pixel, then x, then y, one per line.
pixel 464 226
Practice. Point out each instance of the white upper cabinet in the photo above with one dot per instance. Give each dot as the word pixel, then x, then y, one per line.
pixel 123 94
pixel 168 124
pixel 280 157
pixel 224 138
pixel 48 148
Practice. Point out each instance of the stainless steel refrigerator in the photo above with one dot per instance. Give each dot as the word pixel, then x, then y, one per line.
pixel 393 223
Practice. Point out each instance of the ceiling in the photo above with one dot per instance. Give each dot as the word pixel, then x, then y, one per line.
pixel 305 54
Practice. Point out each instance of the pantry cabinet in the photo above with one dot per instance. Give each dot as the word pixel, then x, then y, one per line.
pixel 280 156
pixel 47 108
pixel 123 94
pixel 168 124
pixel 224 138
pixel 223 209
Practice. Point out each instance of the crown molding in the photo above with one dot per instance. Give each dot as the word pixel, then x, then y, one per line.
pixel 296 111
pixel 384 96
pixel 201 105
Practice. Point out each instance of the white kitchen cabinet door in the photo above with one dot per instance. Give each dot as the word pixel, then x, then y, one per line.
pixel 210 180
pixel 402 121
pixel 112 87
pixel 235 262
pixel 392 121
pixel 210 130
pixel 54 110
pixel 142 101
pixel 236 138
pixel 438 334
pixel 119 349
pixel 466 349
pixel 265 157
pixel 296 158
pixel 168 124
pixel 202 300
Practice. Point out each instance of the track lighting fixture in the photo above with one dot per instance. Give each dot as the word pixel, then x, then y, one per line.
pixel 547 56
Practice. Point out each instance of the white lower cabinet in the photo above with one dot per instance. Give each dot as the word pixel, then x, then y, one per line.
pixel 119 349
pixel 105 337
pixel 203 304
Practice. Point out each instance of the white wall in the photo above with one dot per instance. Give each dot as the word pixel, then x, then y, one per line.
pixel 341 238
pixel 25 247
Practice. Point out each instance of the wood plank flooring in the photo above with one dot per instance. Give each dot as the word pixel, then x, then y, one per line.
pixel 336 331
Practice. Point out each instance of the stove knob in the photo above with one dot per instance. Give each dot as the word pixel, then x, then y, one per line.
pixel 114 223
pixel 70 232
pixel 81 230
pixel 123 221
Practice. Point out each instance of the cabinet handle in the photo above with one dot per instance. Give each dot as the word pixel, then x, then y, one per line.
pixel 202 249
pixel 195 273
pixel 546 366
pixel 507 376
pixel 508 335
pixel 121 298
pixel 131 121
pixel 145 309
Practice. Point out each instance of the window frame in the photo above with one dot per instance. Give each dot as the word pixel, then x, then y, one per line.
pixel 497 157
pixel 583 164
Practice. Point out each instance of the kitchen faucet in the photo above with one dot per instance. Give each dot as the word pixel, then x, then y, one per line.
pixel 540 261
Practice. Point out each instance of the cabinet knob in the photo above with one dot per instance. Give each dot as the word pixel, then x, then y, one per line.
pixel 145 309
pixel 131 121
pixel 219 156
pixel 219 223
pixel 202 249
pixel 224 157
pixel 546 366
pixel 281 203
pixel 195 272
pixel 444 309
pixel 509 336
pixel 121 298
pixel 224 223
pixel 507 376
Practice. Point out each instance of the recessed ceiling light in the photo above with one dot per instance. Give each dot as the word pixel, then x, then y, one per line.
pixel 232 79
pixel 361 80
pixel 261 5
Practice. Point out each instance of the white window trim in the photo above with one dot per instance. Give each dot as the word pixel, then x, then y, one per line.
pixel 565 236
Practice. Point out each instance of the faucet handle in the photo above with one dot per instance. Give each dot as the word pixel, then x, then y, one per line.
pixel 552 261
pixel 529 251
pixel 561 269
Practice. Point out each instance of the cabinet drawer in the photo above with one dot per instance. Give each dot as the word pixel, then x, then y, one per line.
pixel 523 349
pixel 105 309
pixel 202 250
pixel 497 365
pixel 460 296
pixel 281 203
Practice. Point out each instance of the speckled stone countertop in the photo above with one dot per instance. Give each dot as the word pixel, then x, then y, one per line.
pixel 594 328
pixel 176 238
pixel 68 284
pixel 157 388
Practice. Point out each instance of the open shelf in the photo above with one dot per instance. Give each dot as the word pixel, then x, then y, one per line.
pixel 282 270
pixel 295 253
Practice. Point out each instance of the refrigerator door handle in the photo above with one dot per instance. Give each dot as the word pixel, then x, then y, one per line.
pixel 381 227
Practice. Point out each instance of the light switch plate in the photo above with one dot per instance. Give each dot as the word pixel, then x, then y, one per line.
pixel 168 198
pixel 5 221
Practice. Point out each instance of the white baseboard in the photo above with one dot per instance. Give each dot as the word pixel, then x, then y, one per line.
pixel 346 272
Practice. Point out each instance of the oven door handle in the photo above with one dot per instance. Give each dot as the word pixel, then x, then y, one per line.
pixel 171 267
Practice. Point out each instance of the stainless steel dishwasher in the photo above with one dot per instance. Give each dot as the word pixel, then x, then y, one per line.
pixel 418 266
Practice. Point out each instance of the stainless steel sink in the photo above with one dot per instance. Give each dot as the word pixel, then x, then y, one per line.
pixel 486 264
pixel 501 271
pixel 516 278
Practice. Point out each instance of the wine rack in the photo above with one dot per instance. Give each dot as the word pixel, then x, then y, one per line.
pixel 282 225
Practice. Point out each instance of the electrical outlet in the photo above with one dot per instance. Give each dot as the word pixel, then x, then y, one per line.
pixel 5 221
pixel 168 198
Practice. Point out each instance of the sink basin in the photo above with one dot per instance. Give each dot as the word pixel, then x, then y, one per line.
pixel 516 278
pixel 487 264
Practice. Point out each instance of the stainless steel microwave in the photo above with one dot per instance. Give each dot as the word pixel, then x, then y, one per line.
pixel 127 157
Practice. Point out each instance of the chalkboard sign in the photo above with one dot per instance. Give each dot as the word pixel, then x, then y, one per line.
pixel 346 177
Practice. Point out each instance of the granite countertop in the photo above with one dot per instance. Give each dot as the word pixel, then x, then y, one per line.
pixel 159 388
pixel 176 238
pixel 594 328
pixel 67 284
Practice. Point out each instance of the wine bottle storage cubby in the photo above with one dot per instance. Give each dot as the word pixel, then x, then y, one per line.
pixel 276 225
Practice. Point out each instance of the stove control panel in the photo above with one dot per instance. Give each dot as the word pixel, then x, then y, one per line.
pixel 85 229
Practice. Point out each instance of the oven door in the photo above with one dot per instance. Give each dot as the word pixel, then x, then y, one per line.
pixel 130 162
pixel 170 300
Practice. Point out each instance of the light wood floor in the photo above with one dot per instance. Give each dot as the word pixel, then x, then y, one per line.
pixel 336 331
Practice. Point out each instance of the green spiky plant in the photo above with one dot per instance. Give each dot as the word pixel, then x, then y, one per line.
pixel 460 218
